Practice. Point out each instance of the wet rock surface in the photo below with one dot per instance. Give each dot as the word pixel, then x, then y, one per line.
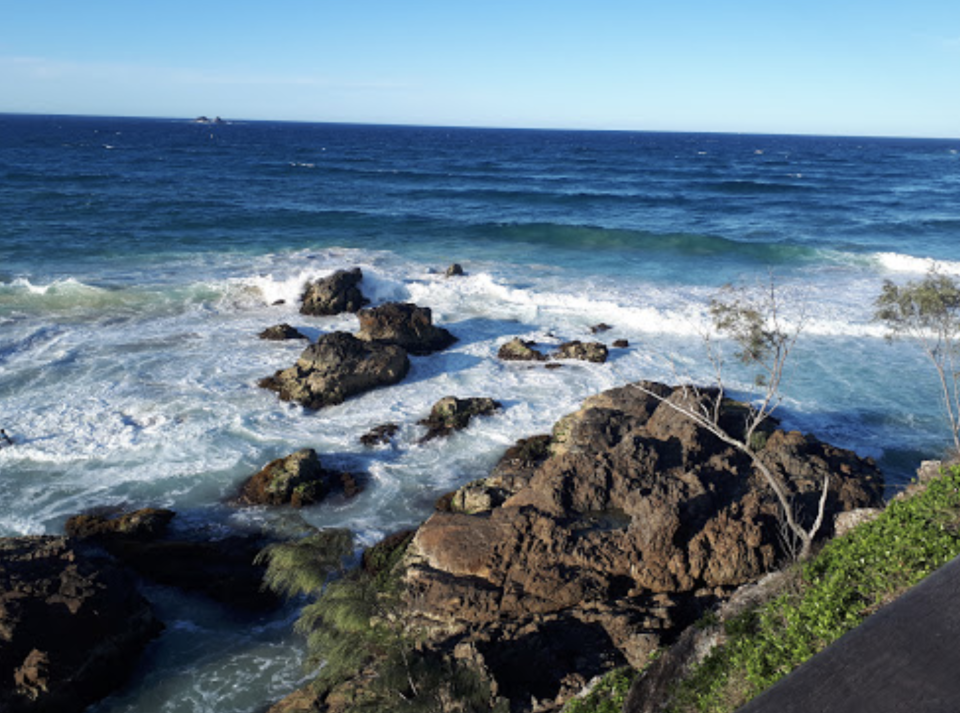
pixel 334 294
pixel 280 332
pixel 338 366
pixel 405 325
pixel 451 414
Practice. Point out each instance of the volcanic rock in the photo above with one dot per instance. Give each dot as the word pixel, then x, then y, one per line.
pixel 298 480
pixel 451 414
pixel 455 270
pixel 338 366
pixel 222 569
pixel 280 332
pixel 379 435
pixel 72 625
pixel 334 294
pixel 584 351
pixel 622 528
pixel 406 325
pixel 519 350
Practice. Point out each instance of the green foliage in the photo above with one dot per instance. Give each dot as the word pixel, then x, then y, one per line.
pixel 852 577
pixel 933 304
pixel 608 696
pixel 356 634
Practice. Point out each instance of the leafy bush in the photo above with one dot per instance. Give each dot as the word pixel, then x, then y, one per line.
pixel 608 696
pixel 852 577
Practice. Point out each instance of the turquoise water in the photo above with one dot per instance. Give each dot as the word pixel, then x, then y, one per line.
pixel 140 258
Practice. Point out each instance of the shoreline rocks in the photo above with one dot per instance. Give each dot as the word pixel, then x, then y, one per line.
pixel 338 366
pixel 451 414
pixel 406 325
pixel 298 480
pixel 600 544
pixel 334 294
pixel 280 332
pixel 72 625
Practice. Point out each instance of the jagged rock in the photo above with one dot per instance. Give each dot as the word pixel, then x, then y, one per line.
pixel 221 569
pixel 455 270
pixel 598 328
pixel 298 480
pixel 280 332
pixel 338 366
pixel 334 294
pixel 624 527
pixel 379 435
pixel 451 414
pixel 519 350
pixel 72 625
pixel 621 343
pixel 405 325
pixel 584 351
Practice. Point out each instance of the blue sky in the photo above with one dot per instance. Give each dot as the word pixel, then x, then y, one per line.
pixel 773 66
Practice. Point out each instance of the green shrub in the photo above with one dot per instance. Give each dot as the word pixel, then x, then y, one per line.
pixel 608 696
pixel 852 577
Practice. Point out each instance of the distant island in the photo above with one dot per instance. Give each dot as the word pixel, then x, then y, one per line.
pixel 208 120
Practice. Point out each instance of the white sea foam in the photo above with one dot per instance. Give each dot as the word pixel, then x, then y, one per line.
pixel 899 263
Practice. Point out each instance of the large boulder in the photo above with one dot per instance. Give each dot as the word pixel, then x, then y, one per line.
pixel 624 527
pixel 406 325
pixel 520 350
pixel 72 625
pixel 338 366
pixel 280 332
pixel 334 294
pixel 584 351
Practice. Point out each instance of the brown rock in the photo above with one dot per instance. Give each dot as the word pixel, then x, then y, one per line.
pixel 584 351
pixel 379 435
pixel 334 294
pixel 406 325
pixel 626 522
pixel 338 366
pixel 280 332
pixel 451 414
pixel 298 480
pixel 519 350
pixel 72 625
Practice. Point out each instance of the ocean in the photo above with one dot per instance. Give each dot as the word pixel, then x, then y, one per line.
pixel 139 259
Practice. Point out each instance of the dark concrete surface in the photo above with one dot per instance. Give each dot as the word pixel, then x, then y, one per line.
pixel 904 658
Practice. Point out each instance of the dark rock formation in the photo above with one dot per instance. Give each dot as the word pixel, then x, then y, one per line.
pixel 519 350
pixel 621 344
pixel 338 366
pixel 455 270
pixel 379 435
pixel 405 325
pixel 334 294
pixel 280 332
pixel 598 546
pixel 598 328
pixel 222 569
pixel 585 351
pixel 451 414
pixel 298 480
pixel 72 625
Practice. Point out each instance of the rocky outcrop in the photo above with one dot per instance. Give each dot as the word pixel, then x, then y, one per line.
pixel 380 435
pixel 222 569
pixel 334 294
pixel 451 414
pixel 455 270
pixel 584 351
pixel 405 325
pixel 520 350
pixel 594 548
pixel 280 332
pixel 72 625
pixel 338 366
pixel 298 480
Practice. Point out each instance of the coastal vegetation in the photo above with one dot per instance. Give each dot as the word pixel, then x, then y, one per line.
pixel 928 312
pixel 853 576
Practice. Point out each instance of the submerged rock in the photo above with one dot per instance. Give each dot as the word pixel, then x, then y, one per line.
pixel 596 546
pixel 451 414
pixel 338 366
pixel 72 625
pixel 455 270
pixel 298 480
pixel 519 350
pixel 280 332
pixel 405 325
pixel 380 435
pixel 334 294
pixel 584 351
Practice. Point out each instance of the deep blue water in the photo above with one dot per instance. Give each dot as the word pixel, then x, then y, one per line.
pixel 139 259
